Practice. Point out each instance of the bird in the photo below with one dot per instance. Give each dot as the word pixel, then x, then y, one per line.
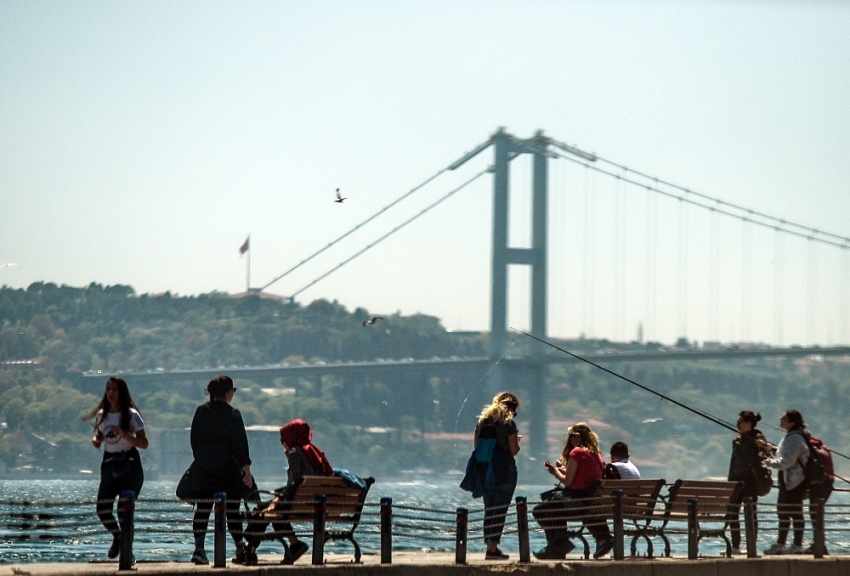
pixel 8 265
pixel 372 320
pixel 651 420
pixel 339 197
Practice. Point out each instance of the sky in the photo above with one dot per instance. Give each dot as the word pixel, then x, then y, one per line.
pixel 142 143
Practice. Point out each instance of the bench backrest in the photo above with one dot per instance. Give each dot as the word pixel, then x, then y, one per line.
pixel 344 503
pixel 639 496
pixel 713 499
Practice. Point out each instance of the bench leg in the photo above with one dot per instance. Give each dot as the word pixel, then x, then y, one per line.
pixel 649 548
pixel 356 550
pixel 581 537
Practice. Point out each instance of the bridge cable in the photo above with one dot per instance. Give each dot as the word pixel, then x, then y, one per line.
pixel 711 418
pixel 809 235
pixel 393 231
pixel 781 221
pixel 358 226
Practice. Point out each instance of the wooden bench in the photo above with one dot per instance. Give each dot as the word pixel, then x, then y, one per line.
pixel 640 498
pixel 714 502
pixel 343 508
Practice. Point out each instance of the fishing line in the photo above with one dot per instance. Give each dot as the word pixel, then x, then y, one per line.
pixel 705 415
pixel 462 404
pixel 696 411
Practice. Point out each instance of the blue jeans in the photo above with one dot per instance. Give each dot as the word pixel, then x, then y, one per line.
pixel 496 510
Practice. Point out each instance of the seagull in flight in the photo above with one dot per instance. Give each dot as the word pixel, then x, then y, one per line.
pixel 651 420
pixel 339 197
pixel 8 265
pixel 372 320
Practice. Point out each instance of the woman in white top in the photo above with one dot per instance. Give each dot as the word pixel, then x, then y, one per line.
pixel 790 459
pixel 119 428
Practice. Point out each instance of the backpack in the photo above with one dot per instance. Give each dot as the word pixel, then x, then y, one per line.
pixel 764 480
pixel 819 468
pixel 611 472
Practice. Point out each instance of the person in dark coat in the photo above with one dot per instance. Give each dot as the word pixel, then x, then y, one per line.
pixel 745 463
pixel 222 463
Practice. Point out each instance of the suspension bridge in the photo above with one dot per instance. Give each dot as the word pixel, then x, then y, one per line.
pixel 740 254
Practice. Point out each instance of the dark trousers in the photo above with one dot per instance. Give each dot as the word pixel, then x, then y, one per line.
pixel 119 472
pixel 202 519
pixel 496 510
pixel 823 490
pixel 733 518
pixel 257 523
pixel 789 508
pixel 552 516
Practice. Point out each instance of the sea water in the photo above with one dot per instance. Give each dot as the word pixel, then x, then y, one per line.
pixel 424 508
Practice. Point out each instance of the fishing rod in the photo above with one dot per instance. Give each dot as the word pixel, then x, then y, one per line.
pixel 696 411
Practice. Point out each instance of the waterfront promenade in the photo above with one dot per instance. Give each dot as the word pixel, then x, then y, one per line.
pixel 432 564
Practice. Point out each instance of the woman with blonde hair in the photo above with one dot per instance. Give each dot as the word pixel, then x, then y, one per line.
pixel 496 443
pixel 578 469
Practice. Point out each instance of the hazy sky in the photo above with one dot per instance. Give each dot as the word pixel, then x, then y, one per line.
pixel 141 142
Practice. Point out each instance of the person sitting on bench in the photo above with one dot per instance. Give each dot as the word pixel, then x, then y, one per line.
pixel 620 460
pixel 305 459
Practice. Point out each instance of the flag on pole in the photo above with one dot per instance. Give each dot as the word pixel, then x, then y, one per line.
pixel 246 246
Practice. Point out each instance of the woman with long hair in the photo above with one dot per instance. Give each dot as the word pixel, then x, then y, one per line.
pixel 496 443
pixel 744 465
pixel 578 469
pixel 790 458
pixel 119 428
pixel 222 463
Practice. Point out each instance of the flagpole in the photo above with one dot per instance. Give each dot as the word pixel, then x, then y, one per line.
pixel 248 267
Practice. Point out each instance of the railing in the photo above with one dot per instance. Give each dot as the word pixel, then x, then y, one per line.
pixel 22 520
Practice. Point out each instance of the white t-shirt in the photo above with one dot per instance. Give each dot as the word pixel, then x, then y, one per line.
pixel 105 423
pixel 628 471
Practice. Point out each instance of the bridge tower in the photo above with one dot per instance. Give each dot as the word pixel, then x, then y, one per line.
pixel 506 148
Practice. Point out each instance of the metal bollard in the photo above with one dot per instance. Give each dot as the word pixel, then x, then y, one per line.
pixel 126 510
pixel 386 530
pixel 460 540
pixel 750 527
pixel 693 530
pixel 816 509
pixel 319 529
pixel 522 528
pixel 220 534
pixel 619 552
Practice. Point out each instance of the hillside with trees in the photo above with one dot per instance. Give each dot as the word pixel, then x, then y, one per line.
pixel 50 335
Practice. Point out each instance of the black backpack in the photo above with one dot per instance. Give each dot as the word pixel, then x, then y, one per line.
pixel 764 480
pixel 814 469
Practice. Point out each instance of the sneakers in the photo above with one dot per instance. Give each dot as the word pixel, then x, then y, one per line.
pixel 794 549
pixel 546 554
pixel 603 547
pixel 296 551
pixel 496 555
pixel 115 549
pixel 199 557
pixel 776 549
